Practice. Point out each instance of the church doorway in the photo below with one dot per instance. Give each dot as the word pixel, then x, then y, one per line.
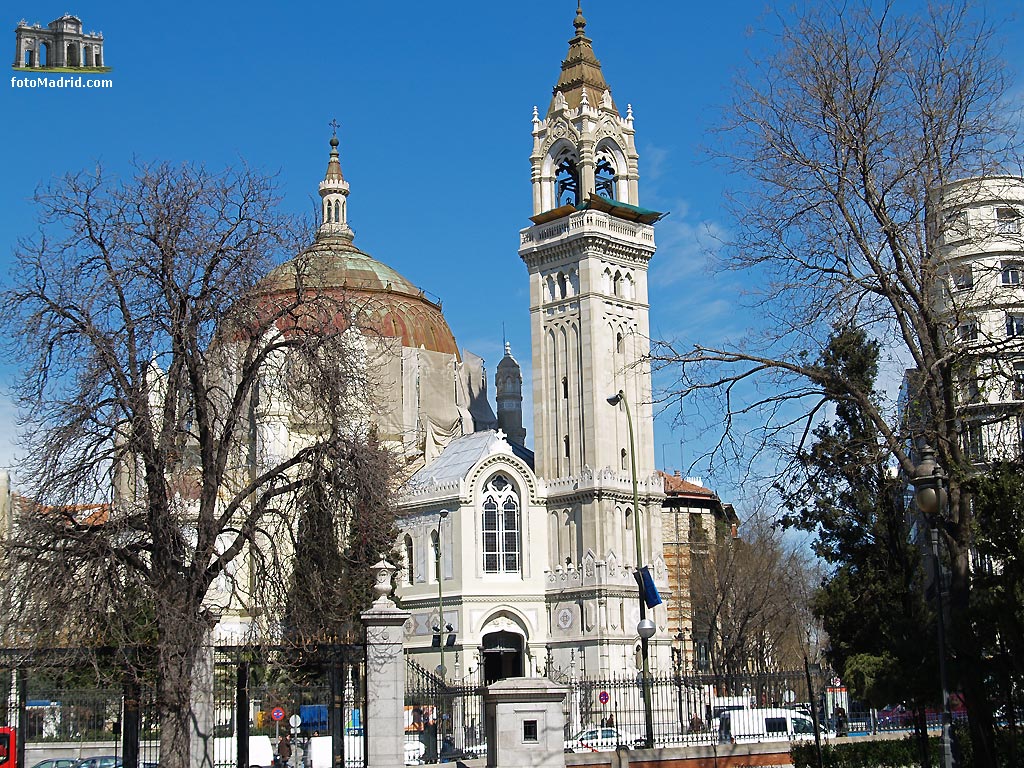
pixel 503 656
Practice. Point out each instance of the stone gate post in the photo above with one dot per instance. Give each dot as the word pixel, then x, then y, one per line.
pixel 531 731
pixel 385 675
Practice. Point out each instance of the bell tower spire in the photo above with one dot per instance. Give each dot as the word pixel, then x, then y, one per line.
pixel 582 146
pixel 334 196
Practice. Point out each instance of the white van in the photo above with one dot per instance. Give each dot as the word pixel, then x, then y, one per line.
pixel 261 753
pixel 745 726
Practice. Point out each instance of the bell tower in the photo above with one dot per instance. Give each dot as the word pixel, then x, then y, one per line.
pixel 587 255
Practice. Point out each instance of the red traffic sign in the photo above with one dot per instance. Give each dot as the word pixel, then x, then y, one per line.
pixel 277 714
pixel 603 697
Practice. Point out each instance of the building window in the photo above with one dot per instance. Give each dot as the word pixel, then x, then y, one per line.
pixel 530 731
pixel 1007 221
pixel 1014 325
pixel 967 331
pixel 957 226
pixel 435 552
pixel 974 442
pixel 970 387
pixel 622 457
pixel 1018 381
pixel 410 574
pixel 963 277
pixel 565 388
pixel 1011 273
pixel 500 526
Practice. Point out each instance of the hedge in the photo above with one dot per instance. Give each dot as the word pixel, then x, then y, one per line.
pixel 890 753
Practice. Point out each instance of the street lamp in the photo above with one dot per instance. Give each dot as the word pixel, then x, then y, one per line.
pixel 645 628
pixel 930 495
pixel 440 627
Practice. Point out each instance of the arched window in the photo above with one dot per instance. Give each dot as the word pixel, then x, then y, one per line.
pixel 500 526
pixel 410 571
pixel 435 553
pixel 563 286
pixel 618 343
pixel 567 183
pixel 337 212
pixel 565 388
pixel 622 455
pixel 604 176
pixel 617 284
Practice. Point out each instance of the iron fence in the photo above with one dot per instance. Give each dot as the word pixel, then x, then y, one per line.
pixel 686 709
pixel 65 704
pixel 447 720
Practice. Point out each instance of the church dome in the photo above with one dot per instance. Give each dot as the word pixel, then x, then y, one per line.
pixel 386 301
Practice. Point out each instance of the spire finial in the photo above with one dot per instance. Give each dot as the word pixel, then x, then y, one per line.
pixel 334 124
pixel 579 22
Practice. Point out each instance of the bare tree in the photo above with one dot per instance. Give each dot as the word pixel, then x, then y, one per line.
pixel 751 602
pixel 842 134
pixel 157 365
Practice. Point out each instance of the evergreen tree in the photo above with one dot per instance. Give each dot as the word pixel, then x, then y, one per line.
pixel 872 604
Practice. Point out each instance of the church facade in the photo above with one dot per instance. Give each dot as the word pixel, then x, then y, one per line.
pixel 534 562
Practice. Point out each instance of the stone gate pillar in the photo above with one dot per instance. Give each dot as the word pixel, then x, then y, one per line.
pixel 531 730
pixel 385 675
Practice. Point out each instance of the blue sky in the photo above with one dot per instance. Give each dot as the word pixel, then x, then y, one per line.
pixel 434 102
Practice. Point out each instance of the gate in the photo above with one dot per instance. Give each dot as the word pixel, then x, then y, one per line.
pixel 443 721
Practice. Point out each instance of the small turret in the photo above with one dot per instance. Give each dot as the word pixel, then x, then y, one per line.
pixel 508 386
pixel 334 196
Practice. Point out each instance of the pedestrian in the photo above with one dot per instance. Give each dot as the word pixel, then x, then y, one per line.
pixel 842 725
pixel 284 750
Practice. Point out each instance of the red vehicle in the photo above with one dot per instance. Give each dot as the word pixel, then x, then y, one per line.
pixel 8 748
pixel 901 716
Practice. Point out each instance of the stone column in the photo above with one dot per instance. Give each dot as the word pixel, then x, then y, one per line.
pixel 385 675
pixel 201 736
pixel 532 723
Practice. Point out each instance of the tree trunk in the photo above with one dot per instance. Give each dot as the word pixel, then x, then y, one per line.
pixel 967 654
pixel 180 639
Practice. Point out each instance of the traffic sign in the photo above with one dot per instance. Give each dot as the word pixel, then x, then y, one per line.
pixel 603 697
pixel 277 714
pixel 295 721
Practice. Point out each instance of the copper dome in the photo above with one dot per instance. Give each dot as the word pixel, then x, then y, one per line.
pixel 388 303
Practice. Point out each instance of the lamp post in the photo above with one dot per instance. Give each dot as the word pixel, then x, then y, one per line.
pixel 645 628
pixel 441 626
pixel 931 500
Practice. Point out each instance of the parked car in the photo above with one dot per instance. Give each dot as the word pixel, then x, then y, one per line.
pixel 605 739
pixel 56 762
pixel 99 761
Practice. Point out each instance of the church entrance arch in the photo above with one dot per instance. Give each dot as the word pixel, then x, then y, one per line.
pixel 503 656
